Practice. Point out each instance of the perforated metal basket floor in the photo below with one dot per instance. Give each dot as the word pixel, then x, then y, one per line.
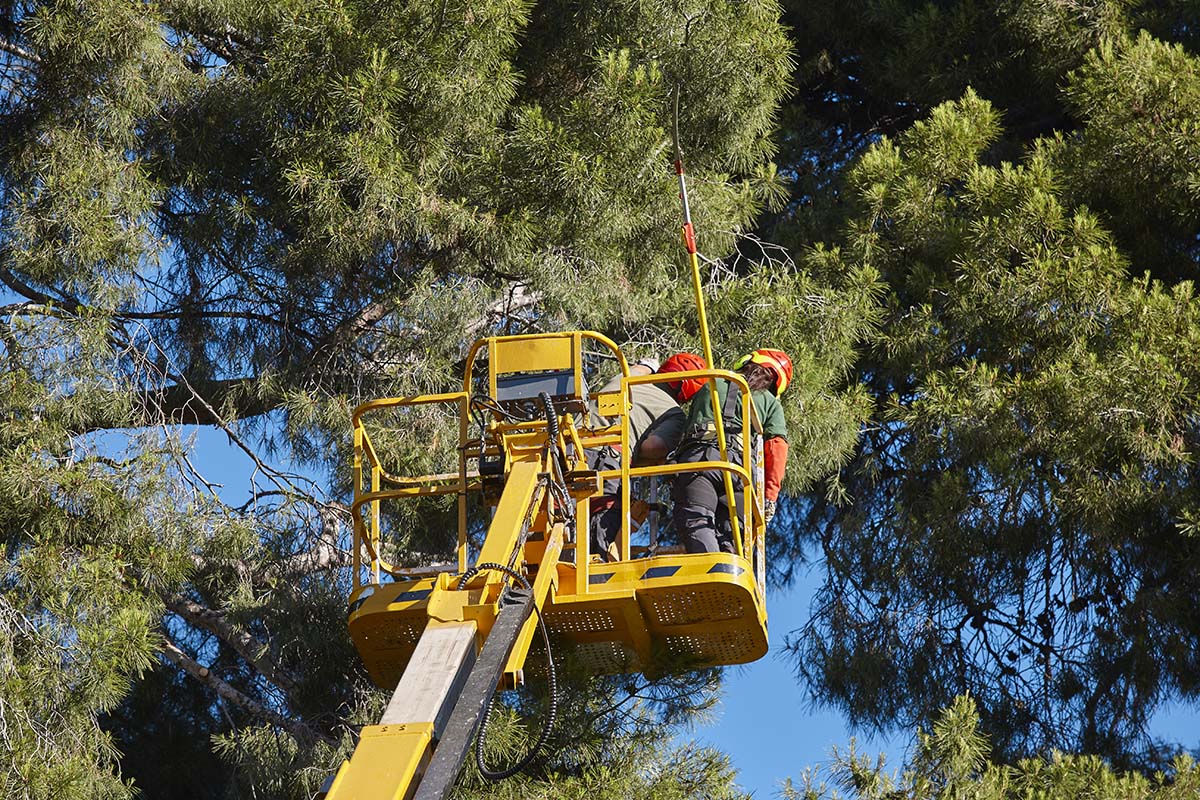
pixel 654 615
pixel 662 614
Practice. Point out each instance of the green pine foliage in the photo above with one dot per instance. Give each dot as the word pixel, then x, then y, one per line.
pixel 253 216
pixel 1018 519
pixel 951 761
pixel 88 539
pixel 1137 99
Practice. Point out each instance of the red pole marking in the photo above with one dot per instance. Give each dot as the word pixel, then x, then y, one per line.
pixel 689 238
pixel 678 167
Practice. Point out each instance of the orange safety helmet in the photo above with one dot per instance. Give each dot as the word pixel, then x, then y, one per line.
pixel 684 362
pixel 775 360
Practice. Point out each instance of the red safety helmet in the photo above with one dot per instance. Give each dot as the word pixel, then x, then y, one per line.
pixel 684 362
pixel 775 360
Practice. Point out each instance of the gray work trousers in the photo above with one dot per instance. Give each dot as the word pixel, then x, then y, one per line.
pixel 701 505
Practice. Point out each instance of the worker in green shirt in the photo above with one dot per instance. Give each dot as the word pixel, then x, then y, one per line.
pixel 701 504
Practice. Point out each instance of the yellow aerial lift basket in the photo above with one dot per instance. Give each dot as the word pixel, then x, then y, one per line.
pixel 445 636
pixel 654 608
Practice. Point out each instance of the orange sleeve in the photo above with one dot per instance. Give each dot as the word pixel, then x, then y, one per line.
pixel 775 453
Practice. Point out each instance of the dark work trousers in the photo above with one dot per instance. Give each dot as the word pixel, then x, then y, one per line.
pixel 605 523
pixel 701 504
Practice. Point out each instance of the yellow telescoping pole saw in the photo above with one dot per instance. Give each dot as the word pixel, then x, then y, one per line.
pixel 689 242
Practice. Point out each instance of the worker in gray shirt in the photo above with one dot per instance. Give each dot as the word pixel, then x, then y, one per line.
pixel 656 425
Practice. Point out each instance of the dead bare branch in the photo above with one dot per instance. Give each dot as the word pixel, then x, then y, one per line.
pixel 203 674
pixel 19 52
pixel 246 645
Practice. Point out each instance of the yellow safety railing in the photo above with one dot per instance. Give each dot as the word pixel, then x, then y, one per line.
pixel 373 484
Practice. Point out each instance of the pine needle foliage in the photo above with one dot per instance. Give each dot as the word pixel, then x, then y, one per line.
pixel 1018 519
pixel 951 762
pixel 251 216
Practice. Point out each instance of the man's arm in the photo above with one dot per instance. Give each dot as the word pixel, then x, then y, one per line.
pixel 775 454
pixel 660 439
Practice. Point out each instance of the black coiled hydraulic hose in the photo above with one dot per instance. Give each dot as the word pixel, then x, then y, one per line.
pixel 551 417
pixel 557 486
pixel 552 432
pixel 551 680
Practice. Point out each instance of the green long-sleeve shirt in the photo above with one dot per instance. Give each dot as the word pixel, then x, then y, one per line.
pixel 770 412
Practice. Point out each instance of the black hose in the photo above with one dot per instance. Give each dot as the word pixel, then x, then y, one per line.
pixel 551 680
pixel 552 432
pixel 551 417
pixel 479 404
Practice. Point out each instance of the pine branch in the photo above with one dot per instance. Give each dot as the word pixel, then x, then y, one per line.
pixel 176 313
pixel 232 46
pixel 246 645
pixel 180 403
pixel 183 403
pixel 201 673
pixel 25 290
pixel 20 52
pixel 355 325
pixel 31 309
pixel 195 402
pixel 240 568
pixel 322 556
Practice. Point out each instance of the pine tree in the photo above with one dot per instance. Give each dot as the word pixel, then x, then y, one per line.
pixel 1018 519
pixel 253 215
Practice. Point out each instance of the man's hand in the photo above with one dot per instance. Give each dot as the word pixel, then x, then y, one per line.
pixel 768 511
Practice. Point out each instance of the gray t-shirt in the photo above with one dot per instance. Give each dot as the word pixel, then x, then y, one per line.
pixel 652 411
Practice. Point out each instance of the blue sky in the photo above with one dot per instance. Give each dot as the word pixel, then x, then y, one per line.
pixel 765 721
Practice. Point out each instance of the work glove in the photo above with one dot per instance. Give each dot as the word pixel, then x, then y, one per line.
pixel 768 511
pixel 650 362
